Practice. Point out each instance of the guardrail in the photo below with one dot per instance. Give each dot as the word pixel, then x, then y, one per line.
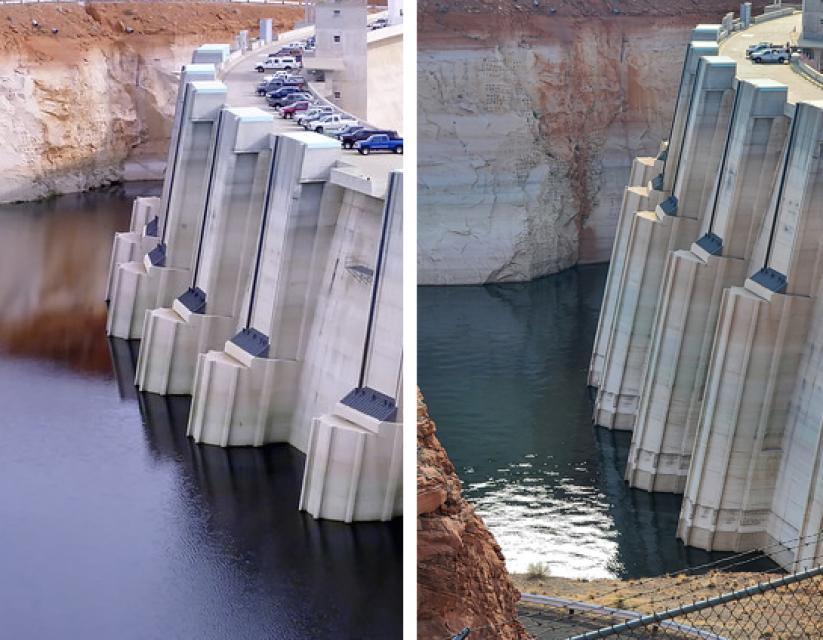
pixel 802 69
pixel 772 15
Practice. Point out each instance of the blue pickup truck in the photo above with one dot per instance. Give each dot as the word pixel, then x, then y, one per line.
pixel 379 142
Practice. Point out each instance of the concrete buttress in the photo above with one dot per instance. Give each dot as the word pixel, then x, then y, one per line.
pixel 647 185
pixel 132 245
pixel 165 270
pixel 693 285
pixel 208 313
pixel 655 234
pixel 761 336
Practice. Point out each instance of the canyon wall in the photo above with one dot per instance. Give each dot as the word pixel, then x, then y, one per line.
pixel 92 103
pixel 528 123
pixel 461 574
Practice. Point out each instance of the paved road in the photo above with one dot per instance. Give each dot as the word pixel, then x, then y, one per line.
pixel 242 79
pixel 552 623
pixel 781 30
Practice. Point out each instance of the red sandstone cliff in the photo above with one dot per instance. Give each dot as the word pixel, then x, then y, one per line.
pixel 87 93
pixel 461 574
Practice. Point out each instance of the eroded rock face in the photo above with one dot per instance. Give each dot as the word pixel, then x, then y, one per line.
pixel 93 103
pixel 461 574
pixel 528 123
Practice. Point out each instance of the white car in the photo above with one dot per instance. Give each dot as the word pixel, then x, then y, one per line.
pixel 330 124
pixel 314 114
pixel 771 55
pixel 285 63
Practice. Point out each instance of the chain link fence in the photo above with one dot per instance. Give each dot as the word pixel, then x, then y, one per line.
pixel 727 599
pixel 786 608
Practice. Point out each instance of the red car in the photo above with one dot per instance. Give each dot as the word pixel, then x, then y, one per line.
pixel 300 105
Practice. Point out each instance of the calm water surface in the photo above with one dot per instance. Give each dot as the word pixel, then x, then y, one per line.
pixel 112 523
pixel 503 370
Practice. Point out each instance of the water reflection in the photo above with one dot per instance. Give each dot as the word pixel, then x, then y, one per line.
pixel 503 369
pixel 53 266
pixel 112 523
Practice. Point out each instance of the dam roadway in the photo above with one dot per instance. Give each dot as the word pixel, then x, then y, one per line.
pixel 779 31
pixel 241 79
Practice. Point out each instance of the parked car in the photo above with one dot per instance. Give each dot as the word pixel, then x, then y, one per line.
pixel 294 97
pixel 771 55
pixel 283 101
pixel 286 63
pixel 760 45
pixel 379 24
pixel 348 131
pixel 350 140
pixel 313 114
pixel 379 142
pixel 283 92
pixel 263 84
pixel 329 124
pixel 289 111
pixel 281 83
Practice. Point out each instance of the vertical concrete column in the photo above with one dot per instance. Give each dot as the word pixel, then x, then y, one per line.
pixel 762 332
pixel 262 361
pixel 208 313
pixel 265 30
pixel 746 15
pixel 156 277
pixel 654 235
pixel 354 459
pixel 693 285
pixel 644 196
pixel 148 214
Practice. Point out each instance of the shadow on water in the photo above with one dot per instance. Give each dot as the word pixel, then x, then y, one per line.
pixel 113 524
pixel 503 369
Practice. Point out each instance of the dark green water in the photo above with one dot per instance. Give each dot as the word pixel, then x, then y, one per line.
pixel 503 370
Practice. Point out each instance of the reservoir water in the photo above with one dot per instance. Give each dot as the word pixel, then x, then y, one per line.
pixel 503 371
pixel 113 524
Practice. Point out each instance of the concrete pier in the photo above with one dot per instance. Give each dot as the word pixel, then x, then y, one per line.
pixel 663 169
pixel 206 315
pixel 761 336
pixel 693 285
pixel 653 235
pixel 366 425
pixel 262 361
pixel 132 245
pixel 164 270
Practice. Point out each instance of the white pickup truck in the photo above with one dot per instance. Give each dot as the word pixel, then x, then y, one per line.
pixel 779 56
pixel 285 63
pixel 330 124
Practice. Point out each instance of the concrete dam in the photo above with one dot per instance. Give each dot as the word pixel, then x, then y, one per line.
pixel 266 282
pixel 708 347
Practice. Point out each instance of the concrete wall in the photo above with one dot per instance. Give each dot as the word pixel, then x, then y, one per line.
pixel 345 20
pixel 385 82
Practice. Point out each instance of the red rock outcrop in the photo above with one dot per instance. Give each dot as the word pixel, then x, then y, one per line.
pixel 461 574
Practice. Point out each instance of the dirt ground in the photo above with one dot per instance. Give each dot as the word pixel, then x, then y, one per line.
pixel 28 28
